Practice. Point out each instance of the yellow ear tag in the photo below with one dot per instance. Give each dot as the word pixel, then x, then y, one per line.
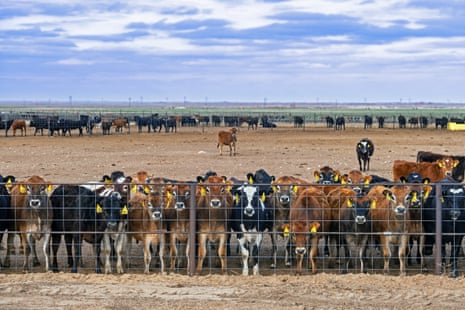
pixel 440 165
pixel 349 203
pixel 286 232
pixel 317 178
pixel 367 181
pixel 49 188
pixel 98 209
pixel 250 180
pixel 236 198
pixel 414 197
pixel 107 181
pixel 124 211
pixel 275 189
pixel 388 197
pixel 295 188
pixel 203 192
pixel 146 190
pixel 373 204
pixel 263 197
pixel 169 196
pixel 442 199
pixel 343 181
pixel 425 196
pixel 313 229
pixel 134 188
pixel 336 178
pixel 22 189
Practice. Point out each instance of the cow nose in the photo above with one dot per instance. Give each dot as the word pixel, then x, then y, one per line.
pixel 326 182
pixel 249 211
pixel 360 220
pixel 300 251
pixel 179 205
pixel 111 225
pixel 34 203
pixel 156 215
pixel 400 210
pixel 284 199
pixel 215 203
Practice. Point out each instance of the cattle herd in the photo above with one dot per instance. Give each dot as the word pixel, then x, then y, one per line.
pixel 344 218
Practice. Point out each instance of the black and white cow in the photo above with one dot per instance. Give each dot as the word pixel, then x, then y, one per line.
pixel 453 220
pixel 250 218
pixel 364 149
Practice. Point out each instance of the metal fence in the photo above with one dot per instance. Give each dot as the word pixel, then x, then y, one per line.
pixel 187 242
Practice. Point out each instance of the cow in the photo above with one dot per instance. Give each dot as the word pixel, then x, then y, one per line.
pixel 390 215
pixel 146 223
pixel 452 199
pixel 413 121
pixel 364 150
pixel 457 172
pixel 106 127
pixel 402 121
pixel 143 121
pixel 298 122
pixel 355 226
pixel 368 122
pixel 327 177
pixel 170 124
pixel 176 207
pixel 308 221
pixel 216 120
pixel 18 124
pixel 32 216
pixel 441 122
pixel 340 123
pixel 227 138
pixel 329 122
pixel 80 214
pixel 252 122
pixel 5 201
pixel 214 205
pixel 5 124
pixel 285 190
pixel 433 171
pixel 381 120
pixel 250 218
pixel 120 123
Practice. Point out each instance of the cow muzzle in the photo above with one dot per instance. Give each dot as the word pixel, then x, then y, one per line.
pixel 400 210
pixel 284 199
pixel 300 251
pixel 34 203
pixel 249 211
pixel 454 214
pixel 156 215
pixel 112 226
pixel 215 203
pixel 360 220
pixel 180 206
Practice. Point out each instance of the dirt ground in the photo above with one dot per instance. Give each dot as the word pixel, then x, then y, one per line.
pixel 191 152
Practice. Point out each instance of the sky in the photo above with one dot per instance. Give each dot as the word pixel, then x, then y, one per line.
pixel 245 51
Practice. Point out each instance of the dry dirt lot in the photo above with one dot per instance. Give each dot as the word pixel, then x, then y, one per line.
pixel 191 152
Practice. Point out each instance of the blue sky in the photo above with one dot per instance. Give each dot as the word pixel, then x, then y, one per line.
pixel 245 51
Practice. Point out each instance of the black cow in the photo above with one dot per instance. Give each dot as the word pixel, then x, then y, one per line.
pixel 364 149
pixel 457 172
pixel 368 122
pixel 252 122
pixel 298 121
pixel 329 122
pixel 106 127
pixel 143 121
pixel 170 124
pixel 250 218
pixel 80 214
pixel 5 201
pixel 423 120
pixel 413 121
pixel 381 120
pixel 216 120
pixel 441 122
pixel 6 124
pixel 41 123
pixel 453 220
pixel 402 121
pixel 340 123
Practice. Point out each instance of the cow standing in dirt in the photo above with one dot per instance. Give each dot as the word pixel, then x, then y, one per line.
pixel 227 138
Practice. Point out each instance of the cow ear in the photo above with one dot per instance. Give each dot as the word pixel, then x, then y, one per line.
pixel 349 203
pixel 316 174
pixel 250 178
pixel 414 195
pixel 273 179
pixel 336 176
pixel 373 204
pixel 200 179
pixel 426 191
pixel 403 179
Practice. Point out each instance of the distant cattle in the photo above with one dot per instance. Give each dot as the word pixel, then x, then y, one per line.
pixel 340 123
pixel 5 124
pixel 368 122
pixel 364 150
pixel 433 171
pixel 457 172
pixel 19 124
pixel 402 121
pixel 143 121
pixel 214 203
pixel 216 120
pixel 381 120
pixel 41 123
pixel 329 122
pixel 32 215
pixel 298 122
pixel 423 120
pixel 120 123
pixel 441 122
pixel 452 200
pixel 227 138
pixel 413 121
pixel 267 123
pixel 252 122
pixel 170 124
pixel 106 127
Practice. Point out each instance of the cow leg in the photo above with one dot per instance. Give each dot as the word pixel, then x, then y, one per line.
pixel 255 253
pixel 362 252
pixel 35 259
pixel 300 252
pixel 121 241
pixel 69 248
pixel 77 240
pixel 222 253
pixel 245 255
pixel 202 250
pixel 402 249
pixel 46 249
pixel 346 248
pixel 27 243
pixel 274 248
pixel 161 252
pixel 107 251
pixel 173 252
pixel 10 248
pixel 148 242
pixel 98 249
pixel 313 253
pixel 454 253
pixel 56 238
pixel 386 253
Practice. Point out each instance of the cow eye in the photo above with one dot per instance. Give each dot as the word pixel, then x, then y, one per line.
pixel 187 193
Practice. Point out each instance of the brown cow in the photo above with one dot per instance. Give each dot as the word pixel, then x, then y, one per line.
pixel 285 191
pixel 120 123
pixel 19 124
pixel 391 215
pixel 32 216
pixel 327 176
pixel 145 224
pixel 308 219
pixel 227 138
pixel 177 201
pixel 214 206
pixel 433 171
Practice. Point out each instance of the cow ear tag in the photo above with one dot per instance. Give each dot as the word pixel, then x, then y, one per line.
pixel 275 189
pixel 286 231
pixel 349 203
pixel 250 180
pixel 98 209
pixel 373 204
pixel 313 229
pixel 124 211
pixel 169 196
pixel 146 190
pixel 263 197
pixel 49 188
pixel 236 198
pixel 414 197
pixel 336 178
pixel 134 188
pixel 22 189
pixel 203 192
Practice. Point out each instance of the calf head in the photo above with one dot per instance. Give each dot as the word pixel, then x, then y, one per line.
pixel 327 175
pixel 284 190
pixel 447 165
pixel 36 191
pixel 112 209
pixel 360 207
pixel 248 199
pixel 216 191
pixel 453 205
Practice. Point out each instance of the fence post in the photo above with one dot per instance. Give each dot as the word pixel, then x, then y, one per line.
pixel 192 232
pixel 438 235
